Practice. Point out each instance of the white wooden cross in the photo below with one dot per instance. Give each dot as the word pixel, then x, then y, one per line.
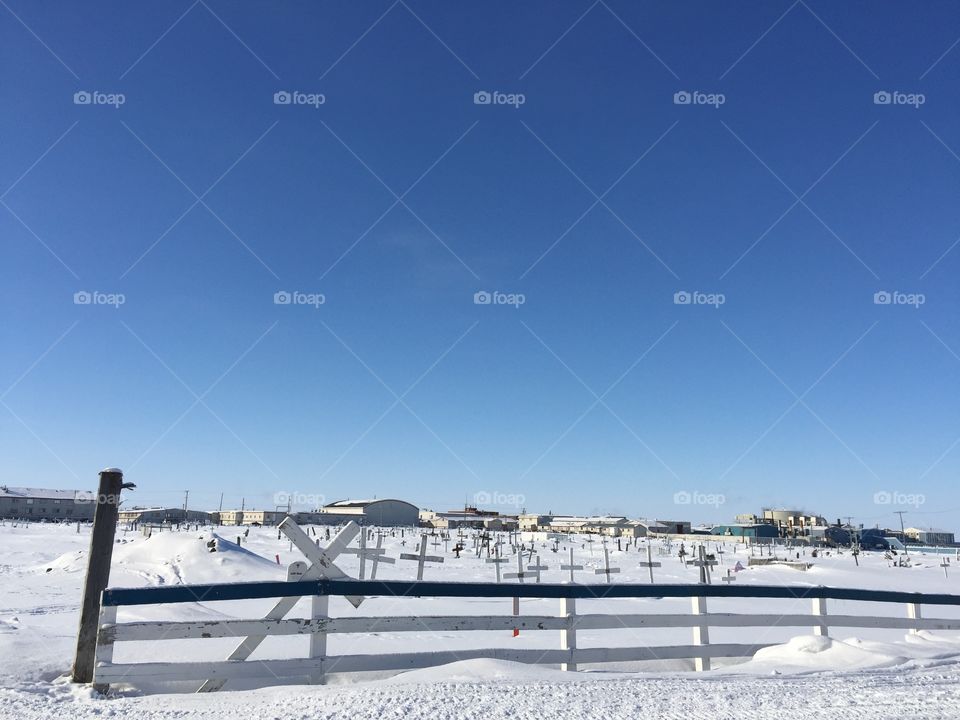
pixel 519 574
pixel 378 558
pixel 606 569
pixel 704 564
pixel 421 557
pixel 945 564
pixel 364 552
pixel 497 561
pixel 730 577
pixel 321 566
pixel 650 563
pixel 538 567
pixel 571 567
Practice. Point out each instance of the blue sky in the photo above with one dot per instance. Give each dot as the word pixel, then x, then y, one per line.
pixel 783 189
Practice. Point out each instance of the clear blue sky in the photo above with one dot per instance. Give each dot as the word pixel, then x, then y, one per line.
pixel 798 198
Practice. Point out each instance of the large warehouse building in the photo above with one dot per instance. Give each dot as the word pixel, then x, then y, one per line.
pixel 386 512
pixel 44 504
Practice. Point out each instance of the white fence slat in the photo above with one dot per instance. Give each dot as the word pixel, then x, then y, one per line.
pixel 568 635
pixel 914 613
pixel 701 632
pixel 819 611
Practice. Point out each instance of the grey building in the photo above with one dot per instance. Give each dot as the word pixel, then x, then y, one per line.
pixel 46 504
pixel 386 512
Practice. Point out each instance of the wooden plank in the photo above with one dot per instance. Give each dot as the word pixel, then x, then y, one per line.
pixel 404 588
pixel 198 629
pixel 305 667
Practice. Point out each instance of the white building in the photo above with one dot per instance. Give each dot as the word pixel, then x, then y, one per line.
pixel 930 536
pixel 46 504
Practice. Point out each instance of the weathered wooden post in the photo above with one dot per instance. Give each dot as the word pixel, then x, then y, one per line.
pixel 98 570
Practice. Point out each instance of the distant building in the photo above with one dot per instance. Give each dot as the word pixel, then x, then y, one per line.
pixel 231 517
pixel 385 513
pixel 532 522
pixel 469 517
pixel 930 536
pixel 162 515
pixel 789 523
pixel 45 504
pixel 675 527
pixel 756 530
pixel 263 517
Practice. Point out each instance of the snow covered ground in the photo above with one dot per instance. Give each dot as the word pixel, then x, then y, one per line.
pixel 862 673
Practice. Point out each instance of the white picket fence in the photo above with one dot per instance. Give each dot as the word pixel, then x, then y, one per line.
pixel 322 579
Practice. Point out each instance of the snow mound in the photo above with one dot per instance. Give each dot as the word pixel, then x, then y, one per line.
pixel 483 670
pixel 813 653
pixel 171 558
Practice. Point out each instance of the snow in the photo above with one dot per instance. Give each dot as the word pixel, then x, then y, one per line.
pixel 863 673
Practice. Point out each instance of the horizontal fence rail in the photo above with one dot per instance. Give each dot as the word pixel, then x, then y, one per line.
pixel 568 656
pixel 403 588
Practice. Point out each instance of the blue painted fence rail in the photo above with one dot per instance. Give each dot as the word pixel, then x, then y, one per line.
pixel 116 597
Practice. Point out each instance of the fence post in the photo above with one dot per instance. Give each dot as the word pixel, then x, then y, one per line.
pixel 319 612
pixel 98 570
pixel 820 610
pixel 914 613
pixel 568 636
pixel 701 632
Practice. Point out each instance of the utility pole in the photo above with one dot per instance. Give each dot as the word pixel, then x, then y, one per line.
pixel 220 509
pixel 98 570
pixel 186 496
pixel 903 535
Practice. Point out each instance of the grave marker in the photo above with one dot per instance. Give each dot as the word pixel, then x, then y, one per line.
pixel 538 567
pixel 421 557
pixel 571 567
pixel 650 563
pixel 606 570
